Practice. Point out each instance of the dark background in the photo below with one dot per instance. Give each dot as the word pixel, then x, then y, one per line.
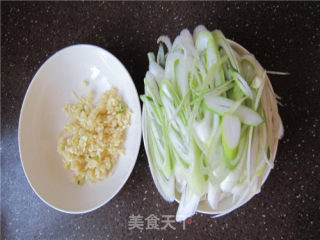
pixel 283 37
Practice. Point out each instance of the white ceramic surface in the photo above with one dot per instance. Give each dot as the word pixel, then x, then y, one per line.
pixel 41 119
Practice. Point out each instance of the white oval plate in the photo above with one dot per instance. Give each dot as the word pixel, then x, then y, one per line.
pixel 41 119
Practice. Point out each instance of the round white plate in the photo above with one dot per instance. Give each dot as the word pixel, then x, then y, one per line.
pixel 42 118
pixel 203 207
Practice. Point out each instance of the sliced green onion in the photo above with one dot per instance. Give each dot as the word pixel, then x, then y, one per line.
pixel 212 123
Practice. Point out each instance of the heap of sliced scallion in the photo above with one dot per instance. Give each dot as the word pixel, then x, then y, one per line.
pixel 211 122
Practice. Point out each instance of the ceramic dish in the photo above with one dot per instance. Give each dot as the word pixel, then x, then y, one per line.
pixel 204 206
pixel 41 119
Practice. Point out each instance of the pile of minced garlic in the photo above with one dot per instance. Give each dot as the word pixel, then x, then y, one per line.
pixel 92 142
